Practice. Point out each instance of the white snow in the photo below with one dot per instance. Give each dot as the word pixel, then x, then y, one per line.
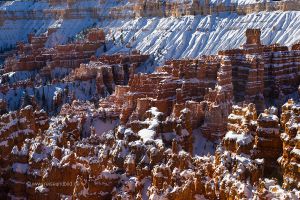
pixel 108 175
pixel 165 38
pixel 241 139
pixel 147 135
pixel 268 117
pixel 4 143
pixel 191 36
pixel 42 189
pixel 103 126
pixel 296 151
pixel 202 146
pixel 20 168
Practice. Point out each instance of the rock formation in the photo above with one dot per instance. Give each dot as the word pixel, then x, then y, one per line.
pixel 257 77
pixel 144 162
pixel 290 138
pixel 268 144
pixel 16 129
pixel 139 141
pixel 238 73
pixel 35 56
pixel 54 76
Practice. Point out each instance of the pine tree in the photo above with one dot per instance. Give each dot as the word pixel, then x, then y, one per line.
pixel 43 97
pixel 104 48
pixel 26 100
pixel 121 38
pixel 90 91
pixel 114 39
pixel 37 95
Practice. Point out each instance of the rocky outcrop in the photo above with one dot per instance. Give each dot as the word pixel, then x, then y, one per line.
pixel 16 129
pixel 62 72
pixel 265 78
pixel 175 89
pixel 150 156
pixel 35 56
pixel 241 129
pixel 140 142
pixel 154 8
pixel 108 71
pixel 290 137
pixel 268 144
pixel 237 75
pixel 55 9
pixel 219 102
pixel 175 175
pixel 258 137
pixel 50 15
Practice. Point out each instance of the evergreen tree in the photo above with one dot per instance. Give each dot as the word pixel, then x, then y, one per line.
pixel 90 91
pixel 121 38
pixel 114 39
pixel 104 48
pixel 26 100
pixel 37 95
pixel 43 97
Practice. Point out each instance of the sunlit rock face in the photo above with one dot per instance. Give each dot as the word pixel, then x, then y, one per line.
pixel 290 157
pixel 259 71
pixel 105 9
pixel 143 162
pixel 241 126
pixel 51 77
pixel 34 55
pixel 198 128
pixel 179 89
pixel 240 75
pixel 268 144
pixel 144 158
pixel 16 129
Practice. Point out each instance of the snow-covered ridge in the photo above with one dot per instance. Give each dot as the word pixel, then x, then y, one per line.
pixel 191 36
pixel 39 5
pixel 165 37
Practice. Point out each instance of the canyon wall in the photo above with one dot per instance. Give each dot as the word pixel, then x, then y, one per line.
pixel 143 160
pixel 242 75
pixel 64 25
pixel 58 75
pixel 263 73
pixel 290 138
pixel 34 56
pixel 140 141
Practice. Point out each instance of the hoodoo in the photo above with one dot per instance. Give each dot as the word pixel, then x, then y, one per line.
pixel 176 100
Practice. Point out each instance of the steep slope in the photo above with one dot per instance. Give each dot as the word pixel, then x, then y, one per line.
pixel 191 36
pixel 165 37
pixel 78 124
